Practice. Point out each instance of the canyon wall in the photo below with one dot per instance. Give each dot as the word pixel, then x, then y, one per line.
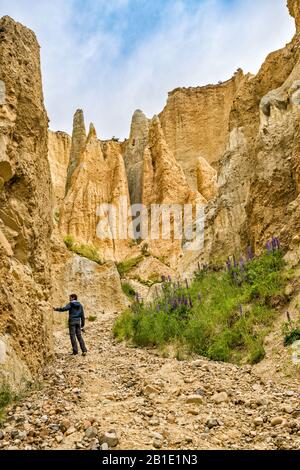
pixel 195 123
pixel 59 149
pixel 258 178
pixel 25 209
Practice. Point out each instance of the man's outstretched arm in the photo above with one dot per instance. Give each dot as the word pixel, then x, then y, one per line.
pixel 67 308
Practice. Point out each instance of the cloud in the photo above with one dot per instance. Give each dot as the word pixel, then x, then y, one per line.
pixel 111 58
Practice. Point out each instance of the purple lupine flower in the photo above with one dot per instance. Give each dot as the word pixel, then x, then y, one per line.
pixel 187 284
pixel 191 302
pixel 268 246
pixel 250 254
pixel 163 278
pixel 234 261
pixel 242 264
pixel 278 243
pixel 274 244
pixel 169 279
pixel 185 301
pixel 228 264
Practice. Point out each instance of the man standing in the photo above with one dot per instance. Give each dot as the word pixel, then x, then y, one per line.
pixel 76 322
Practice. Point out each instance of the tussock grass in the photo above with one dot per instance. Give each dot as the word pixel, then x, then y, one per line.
pixel 86 251
pixel 128 290
pixel 7 396
pixel 126 266
pixel 291 332
pixel 221 315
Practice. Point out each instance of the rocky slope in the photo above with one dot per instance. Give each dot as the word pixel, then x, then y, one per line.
pixel 124 398
pixel 25 209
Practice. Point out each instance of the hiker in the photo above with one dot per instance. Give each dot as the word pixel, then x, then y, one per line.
pixel 76 323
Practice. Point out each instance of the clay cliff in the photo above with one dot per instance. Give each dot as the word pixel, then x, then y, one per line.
pixel 258 177
pixel 25 209
pixel 59 149
pixel 195 123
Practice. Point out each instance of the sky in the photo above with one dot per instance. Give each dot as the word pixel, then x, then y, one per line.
pixel 111 57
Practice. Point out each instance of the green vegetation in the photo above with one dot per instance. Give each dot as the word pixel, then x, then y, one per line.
pixel 86 251
pixel 6 398
pixel 128 290
pixel 223 315
pixel 57 215
pixel 291 332
pixel 128 265
pixel 92 318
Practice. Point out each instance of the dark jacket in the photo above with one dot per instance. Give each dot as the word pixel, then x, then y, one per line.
pixel 75 310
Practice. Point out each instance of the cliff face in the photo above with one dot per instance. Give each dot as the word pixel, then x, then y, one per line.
pixel 294 9
pixel 25 209
pixel 259 174
pixel 99 177
pixel 59 149
pixel 195 123
pixel 156 177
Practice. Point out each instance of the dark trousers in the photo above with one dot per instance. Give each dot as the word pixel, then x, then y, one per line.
pixel 75 332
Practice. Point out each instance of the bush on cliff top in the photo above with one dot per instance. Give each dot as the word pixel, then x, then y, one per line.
pixel 223 315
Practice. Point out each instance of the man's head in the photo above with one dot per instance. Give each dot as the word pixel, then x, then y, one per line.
pixel 73 297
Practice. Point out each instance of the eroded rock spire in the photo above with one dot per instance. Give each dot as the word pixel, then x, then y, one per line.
pixel 78 144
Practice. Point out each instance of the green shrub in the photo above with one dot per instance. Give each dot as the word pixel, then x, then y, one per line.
pixel 69 241
pixel 128 265
pixel 57 215
pixel 291 333
pixel 92 318
pixel 86 251
pixel 6 398
pixel 128 290
pixel 218 316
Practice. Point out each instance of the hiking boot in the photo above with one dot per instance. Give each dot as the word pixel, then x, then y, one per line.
pixel 84 354
pixel 74 354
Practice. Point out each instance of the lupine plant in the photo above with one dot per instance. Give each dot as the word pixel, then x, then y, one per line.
pixel 224 313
